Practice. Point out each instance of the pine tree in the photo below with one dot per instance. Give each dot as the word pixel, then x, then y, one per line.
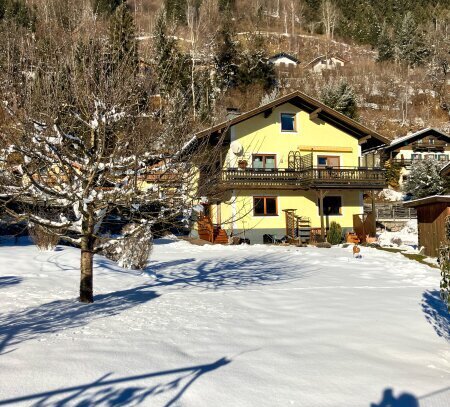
pixel 170 64
pixel 122 37
pixel 106 6
pixel 255 67
pixel 18 12
pixel 176 11
pixel 424 179
pixel 226 5
pixel 410 45
pixel 340 97
pixel 385 45
pixel 227 55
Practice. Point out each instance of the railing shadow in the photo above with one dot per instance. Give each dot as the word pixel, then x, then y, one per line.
pixel 438 398
pixel 436 313
pixel 8 281
pixel 17 327
pixel 124 391
pixel 403 400
pixel 227 274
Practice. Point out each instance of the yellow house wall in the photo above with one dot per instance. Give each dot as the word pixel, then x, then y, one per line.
pixel 237 212
pixel 264 135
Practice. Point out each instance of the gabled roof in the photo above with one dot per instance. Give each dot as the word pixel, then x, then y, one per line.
pixel 321 57
pixel 284 55
pixel 309 105
pixel 418 135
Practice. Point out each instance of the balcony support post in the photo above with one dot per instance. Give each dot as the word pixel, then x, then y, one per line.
pixel 321 194
pixel 374 214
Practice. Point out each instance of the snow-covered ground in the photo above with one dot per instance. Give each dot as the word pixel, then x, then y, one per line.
pixel 406 238
pixel 224 326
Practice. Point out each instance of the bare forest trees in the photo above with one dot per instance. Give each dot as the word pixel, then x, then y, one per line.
pixel 79 121
pixel 330 17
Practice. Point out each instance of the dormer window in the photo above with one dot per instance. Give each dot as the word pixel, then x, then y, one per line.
pixel 288 122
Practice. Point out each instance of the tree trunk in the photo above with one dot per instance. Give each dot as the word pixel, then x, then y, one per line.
pixel 86 268
pixel 86 281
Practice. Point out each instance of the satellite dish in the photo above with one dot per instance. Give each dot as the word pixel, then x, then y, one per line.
pixel 237 148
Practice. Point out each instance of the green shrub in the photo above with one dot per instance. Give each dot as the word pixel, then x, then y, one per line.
pixel 334 235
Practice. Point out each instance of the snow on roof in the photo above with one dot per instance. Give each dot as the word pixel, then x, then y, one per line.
pixel 414 135
pixel 325 57
pixel 284 55
pixel 427 200
pixel 445 169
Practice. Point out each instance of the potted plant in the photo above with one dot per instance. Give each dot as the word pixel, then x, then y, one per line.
pixel 242 164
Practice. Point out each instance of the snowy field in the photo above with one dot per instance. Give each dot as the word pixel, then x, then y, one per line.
pixel 224 326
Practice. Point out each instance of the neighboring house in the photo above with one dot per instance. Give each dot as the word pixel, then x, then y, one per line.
pixel 324 62
pixel 431 214
pixel 284 60
pixel 416 146
pixel 293 163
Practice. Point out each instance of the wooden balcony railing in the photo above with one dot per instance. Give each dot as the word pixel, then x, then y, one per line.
pixel 253 178
pixel 427 145
pixel 346 177
pixel 341 177
pixel 408 162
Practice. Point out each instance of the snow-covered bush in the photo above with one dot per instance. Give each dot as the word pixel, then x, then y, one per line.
pixel 391 195
pixel 334 235
pixel 43 238
pixel 424 179
pixel 133 249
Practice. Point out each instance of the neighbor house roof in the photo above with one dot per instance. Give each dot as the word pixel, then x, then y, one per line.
pixel 311 106
pixel 445 170
pixel 428 200
pixel 322 57
pixel 284 55
pixel 418 135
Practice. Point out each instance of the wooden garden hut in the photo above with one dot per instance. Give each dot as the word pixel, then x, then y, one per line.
pixel 431 214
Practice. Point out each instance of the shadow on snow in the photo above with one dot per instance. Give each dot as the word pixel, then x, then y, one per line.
pixel 7 281
pixel 51 317
pixel 436 313
pixel 439 398
pixel 215 274
pixel 126 391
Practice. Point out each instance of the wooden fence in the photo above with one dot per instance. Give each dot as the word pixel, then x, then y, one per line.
pixel 391 212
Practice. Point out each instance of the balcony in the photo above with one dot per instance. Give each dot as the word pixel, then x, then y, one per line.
pixel 429 145
pixel 307 178
pixel 403 162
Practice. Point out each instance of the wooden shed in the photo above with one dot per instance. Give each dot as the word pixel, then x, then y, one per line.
pixel 431 214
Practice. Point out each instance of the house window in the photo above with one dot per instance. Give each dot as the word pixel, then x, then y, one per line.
pixel 265 206
pixel 443 157
pixel 264 161
pixel 287 122
pixel 416 156
pixel 332 205
pixel 328 161
pixel 429 156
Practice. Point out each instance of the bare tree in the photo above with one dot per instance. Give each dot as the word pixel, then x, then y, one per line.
pixel 330 17
pixel 80 121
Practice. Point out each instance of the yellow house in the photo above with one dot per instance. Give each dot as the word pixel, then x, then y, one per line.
pixel 284 169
